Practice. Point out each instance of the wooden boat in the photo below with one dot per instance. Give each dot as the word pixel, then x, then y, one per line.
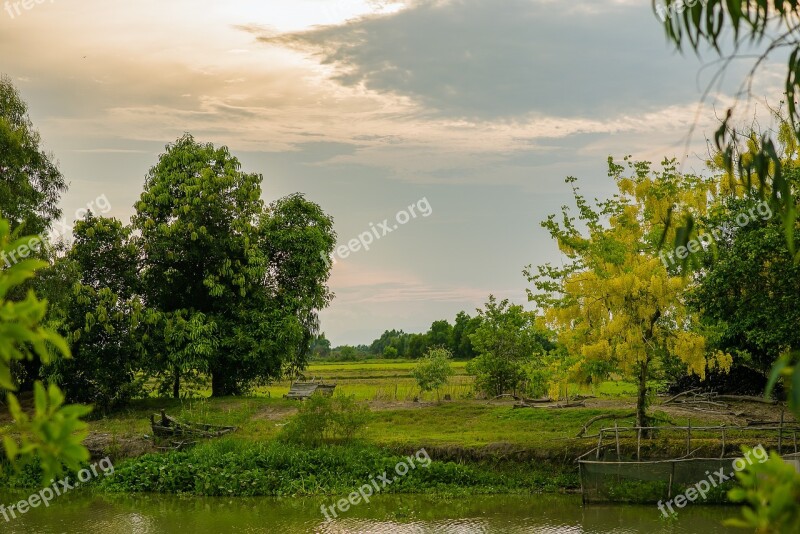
pixel 165 426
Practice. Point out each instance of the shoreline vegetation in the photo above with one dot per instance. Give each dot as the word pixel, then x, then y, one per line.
pixel 477 446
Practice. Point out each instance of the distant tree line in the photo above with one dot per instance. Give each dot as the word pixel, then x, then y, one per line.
pixel 398 344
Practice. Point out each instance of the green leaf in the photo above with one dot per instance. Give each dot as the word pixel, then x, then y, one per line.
pixel 11 448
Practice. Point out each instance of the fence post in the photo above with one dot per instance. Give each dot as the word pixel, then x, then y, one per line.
pixel 616 431
pixel 599 442
pixel 638 442
pixel 722 454
pixel 780 434
pixel 671 476
pixel 689 438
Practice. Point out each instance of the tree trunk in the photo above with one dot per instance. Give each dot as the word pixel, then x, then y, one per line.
pixel 176 384
pixel 641 399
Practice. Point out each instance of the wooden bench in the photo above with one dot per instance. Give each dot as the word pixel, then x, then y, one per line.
pixel 303 390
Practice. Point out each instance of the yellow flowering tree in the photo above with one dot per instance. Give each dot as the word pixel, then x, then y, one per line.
pixel 617 300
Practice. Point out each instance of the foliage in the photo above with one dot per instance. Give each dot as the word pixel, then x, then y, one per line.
pixel 31 184
pixel 615 301
pixel 294 237
pixel 232 288
pixel 433 370
pixel 753 163
pixel 770 492
pixel 455 338
pixel 464 327
pixel 322 419
pixel 320 346
pixel 233 468
pixel 100 316
pixel 440 334
pixel 54 432
pixel 507 339
pixel 747 290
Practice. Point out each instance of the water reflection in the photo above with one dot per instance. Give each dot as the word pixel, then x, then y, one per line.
pixel 395 514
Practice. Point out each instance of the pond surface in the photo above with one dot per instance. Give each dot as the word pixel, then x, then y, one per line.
pixel 157 514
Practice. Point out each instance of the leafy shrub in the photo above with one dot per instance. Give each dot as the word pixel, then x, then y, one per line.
pixel 231 467
pixel 495 376
pixel 433 370
pixel 321 419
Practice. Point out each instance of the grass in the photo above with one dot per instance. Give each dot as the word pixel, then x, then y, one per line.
pixel 458 425
pixel 462 424
pixel 494 446
pixel 378 380
pixel 230 467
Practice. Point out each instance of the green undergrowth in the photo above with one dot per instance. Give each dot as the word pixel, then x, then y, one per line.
pixel 231 467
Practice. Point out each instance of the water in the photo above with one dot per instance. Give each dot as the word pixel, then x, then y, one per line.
pixel 395 514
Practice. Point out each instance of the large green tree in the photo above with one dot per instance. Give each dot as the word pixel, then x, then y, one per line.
pixel 748 288
pixel 245 280
pixel 30 182
pixel 100 315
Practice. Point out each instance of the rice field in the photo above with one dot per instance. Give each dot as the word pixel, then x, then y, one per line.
pixel 393 381
pixel 379 380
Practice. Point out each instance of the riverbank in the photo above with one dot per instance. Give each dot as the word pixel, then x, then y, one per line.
pixel 477 446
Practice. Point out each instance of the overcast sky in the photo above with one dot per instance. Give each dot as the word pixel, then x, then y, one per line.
pixel 481 107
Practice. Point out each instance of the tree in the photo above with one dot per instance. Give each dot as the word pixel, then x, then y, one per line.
pixel 54 433
pixel 99 316
pixel 433 370
pixel 440 334
pixel 321 346
pixel 246 282
pixel 30 188
pixel 290 232
pixel 507 339
pixel 464 327
pixel 417 345
pixel 745 22
pixel 748 288
pixel 31 183
pixel 615 299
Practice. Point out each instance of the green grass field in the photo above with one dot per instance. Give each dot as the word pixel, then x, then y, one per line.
pixel 396 420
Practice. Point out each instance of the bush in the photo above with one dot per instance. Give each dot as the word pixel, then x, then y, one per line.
pixel 495 376
pixel 433 370
pixel 321 419
pixel 230 467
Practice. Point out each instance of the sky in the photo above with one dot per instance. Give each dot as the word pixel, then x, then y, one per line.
pixel 471 111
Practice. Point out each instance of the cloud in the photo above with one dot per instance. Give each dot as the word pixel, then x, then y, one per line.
pixel 482 60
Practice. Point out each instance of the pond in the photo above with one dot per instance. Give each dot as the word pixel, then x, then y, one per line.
pixel 506 514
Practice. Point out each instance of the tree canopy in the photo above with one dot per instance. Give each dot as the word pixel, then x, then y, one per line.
pixel 615 300
pixel 30 182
